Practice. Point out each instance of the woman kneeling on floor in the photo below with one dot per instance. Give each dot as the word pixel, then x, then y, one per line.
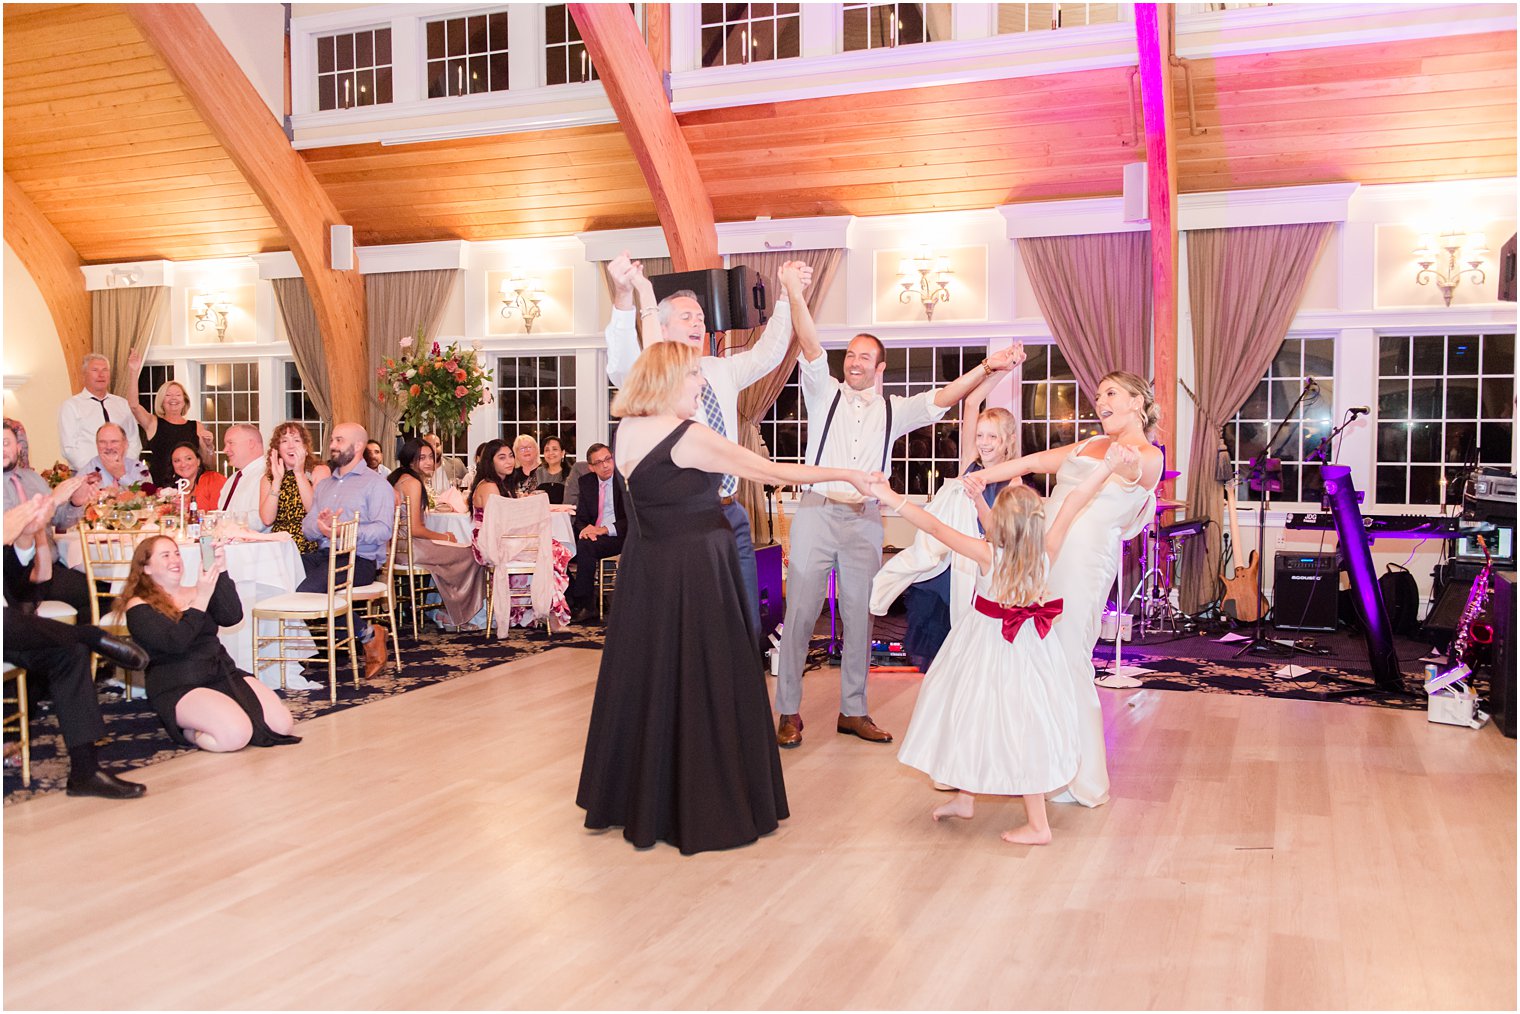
pixel 200 695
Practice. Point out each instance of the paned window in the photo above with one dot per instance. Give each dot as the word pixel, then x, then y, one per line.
pixel 1013 18
pixel 229 394
pixel 1053 411
pixel 467 55
pixel 565 58
pixel 148 382
pixel 1298 361
pixel 749 33
pixel 883 26
pixel 354 69
pixel 536 395
pixel 1444 405
pixel 298 407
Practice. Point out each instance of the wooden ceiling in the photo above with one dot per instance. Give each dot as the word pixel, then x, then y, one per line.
pixel 110 150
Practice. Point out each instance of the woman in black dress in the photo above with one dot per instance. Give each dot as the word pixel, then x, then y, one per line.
pixel 168 427
pixel 681 747
pixel 200 695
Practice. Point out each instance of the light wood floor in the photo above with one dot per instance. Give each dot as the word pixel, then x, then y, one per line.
pixel 425 851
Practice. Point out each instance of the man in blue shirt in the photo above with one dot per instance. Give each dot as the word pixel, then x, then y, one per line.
pixel 352 490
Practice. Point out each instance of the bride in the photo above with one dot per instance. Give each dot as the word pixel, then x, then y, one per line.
pixel 1084 570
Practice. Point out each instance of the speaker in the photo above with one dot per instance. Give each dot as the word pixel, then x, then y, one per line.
pixel 1136 197
pixel 341 247
pixel 1501 681
pixel 1441 621
pixel 772 602
pixel 1304 591
pixel 1507 271
pixel 730 299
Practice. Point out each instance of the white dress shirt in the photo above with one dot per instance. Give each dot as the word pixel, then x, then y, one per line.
pixel 133 473
pixel 79 418
pixel 245 497
pixel 728 375
pixel 857 433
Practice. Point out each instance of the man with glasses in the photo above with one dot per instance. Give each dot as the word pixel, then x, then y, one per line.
pixel 598 529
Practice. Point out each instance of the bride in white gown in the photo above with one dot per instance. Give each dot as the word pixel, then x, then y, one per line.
pixel 1083 571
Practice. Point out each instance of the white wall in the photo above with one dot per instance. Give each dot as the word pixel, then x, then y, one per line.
pixel 32 350
pixel 255 36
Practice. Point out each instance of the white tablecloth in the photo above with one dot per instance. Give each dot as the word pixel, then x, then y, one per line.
pixel 561 526
pixel 259 570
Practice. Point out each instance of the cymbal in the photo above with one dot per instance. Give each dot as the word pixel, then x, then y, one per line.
pixel 1163 504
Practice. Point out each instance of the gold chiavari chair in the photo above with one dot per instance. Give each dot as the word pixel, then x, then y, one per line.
pixel 20 721
pixel 297 607
pixel 107 560
pixel 379 596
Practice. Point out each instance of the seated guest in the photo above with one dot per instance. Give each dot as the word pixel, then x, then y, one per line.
pixel 48 578
pixel 558 470
pixel 374 457
pixel 291 474
pixel 449 471
pixel 352 490
pixel 80 416
pixel 166 426
pixel 598 515
pixel 56 656
pixel 523 478
pixel 496 464
pixel 200 695
pixel 205 485
pixel 495 478
pixel 461 581
pixel 111 461
pixel 244 447
pixel 468 482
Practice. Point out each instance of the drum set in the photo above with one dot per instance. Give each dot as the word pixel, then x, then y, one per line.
pixel 1161 542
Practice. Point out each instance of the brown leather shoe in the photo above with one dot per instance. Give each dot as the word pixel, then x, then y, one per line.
pixel 862 726
pixel 789 731
pixel 375 653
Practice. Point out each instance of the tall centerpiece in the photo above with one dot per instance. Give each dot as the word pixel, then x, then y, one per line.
pixel 435 386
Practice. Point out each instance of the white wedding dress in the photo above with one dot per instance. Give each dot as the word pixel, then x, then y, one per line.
pixel 1081 576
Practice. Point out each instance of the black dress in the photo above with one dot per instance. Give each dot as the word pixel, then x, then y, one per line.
pixel 185 654
pixel 160 448
pixel 681 746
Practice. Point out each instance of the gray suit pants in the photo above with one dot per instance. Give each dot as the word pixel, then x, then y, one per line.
pixel 829 535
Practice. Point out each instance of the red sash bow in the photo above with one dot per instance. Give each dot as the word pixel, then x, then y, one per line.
pixel 1013 617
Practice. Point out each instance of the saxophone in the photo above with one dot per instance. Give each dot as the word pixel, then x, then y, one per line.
pixel 1469 630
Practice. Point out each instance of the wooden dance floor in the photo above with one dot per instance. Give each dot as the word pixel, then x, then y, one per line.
pixel 425 851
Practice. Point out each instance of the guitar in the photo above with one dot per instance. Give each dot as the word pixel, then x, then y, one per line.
pixel 1241 600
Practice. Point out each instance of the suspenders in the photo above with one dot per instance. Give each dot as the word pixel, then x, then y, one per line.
pixel 828 421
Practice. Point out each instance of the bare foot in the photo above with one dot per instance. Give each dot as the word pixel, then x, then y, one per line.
pixel 1027 835
pixel 961 806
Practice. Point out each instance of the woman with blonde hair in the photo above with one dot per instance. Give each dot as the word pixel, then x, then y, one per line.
pixel 291 473
pixel 200 695
pixel 166 426
pixel 1084 570
pixel 681 747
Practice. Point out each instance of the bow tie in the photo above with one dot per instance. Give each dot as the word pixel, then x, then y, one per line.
pixel 1013 617
pixel 863 397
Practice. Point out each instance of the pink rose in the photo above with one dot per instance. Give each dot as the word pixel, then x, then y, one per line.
pixel 406 342
pixel 461 391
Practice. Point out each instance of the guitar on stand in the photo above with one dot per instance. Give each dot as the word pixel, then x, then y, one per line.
pixel 1242 599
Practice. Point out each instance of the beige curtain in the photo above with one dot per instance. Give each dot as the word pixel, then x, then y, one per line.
pixel 122 322
pixel 1245 286
pixel 398 304
pixel 1095 293
pixel 294 300
pixel 756 400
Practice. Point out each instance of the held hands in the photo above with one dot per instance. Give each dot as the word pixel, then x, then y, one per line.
pixel 973 484
pixel 1121 459
pixel 794 276
pixel 1006 359
pixel 865 482
pixel 879 488
pixel 620 270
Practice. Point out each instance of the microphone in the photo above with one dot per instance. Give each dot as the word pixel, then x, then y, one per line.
pixel 1310 384
pixel 1358 410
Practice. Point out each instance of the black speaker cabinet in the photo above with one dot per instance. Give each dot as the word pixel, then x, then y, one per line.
pixel 730 298
pixel 1507 276
pixel 1304 588
pixel 1501 682
pixel 772 602
pixel 1441 622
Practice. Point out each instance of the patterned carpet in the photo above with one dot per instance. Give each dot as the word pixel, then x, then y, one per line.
pixel 138 739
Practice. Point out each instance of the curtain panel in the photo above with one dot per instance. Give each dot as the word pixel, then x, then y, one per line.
pixel 1245 286
pixel 398 304
pixel 294 300
pixel 122 322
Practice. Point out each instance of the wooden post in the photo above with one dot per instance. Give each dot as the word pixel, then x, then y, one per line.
pixel 54 266
pixel 1153 34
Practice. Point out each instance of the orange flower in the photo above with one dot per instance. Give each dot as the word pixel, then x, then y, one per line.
pixel 460 376
pixel 415 391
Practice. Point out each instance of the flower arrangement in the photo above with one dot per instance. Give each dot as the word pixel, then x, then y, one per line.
pixel 435 387
pixel 143 499
pixel 58 474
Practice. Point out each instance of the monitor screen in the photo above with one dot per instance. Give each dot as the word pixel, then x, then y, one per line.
pixel 1501 546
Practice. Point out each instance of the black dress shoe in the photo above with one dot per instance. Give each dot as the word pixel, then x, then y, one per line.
pixel 584 615
pixel 120 651
pixel 106 786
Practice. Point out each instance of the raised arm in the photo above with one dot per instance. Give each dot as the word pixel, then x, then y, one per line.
pixel 649 307
pixel 961 387
pixel 622 339
pixel 147 420
pixel 958 542
pixel 703 449
pixel 803 326
pixel 1120 459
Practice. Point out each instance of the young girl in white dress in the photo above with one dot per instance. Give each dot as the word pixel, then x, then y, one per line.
pixel 997 713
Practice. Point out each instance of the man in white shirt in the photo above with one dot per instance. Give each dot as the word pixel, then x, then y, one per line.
pixel 82 415
pixel 244 447
pixel 681 319
pixel 850 425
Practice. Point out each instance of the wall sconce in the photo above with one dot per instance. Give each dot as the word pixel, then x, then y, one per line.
pixel 212 309
pixel 915 272
pixel 1469 248
pixel 523 295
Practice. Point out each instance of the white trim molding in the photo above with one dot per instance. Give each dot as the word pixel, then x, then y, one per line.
pixel 442 255
pixel 1293 26
pixel 1329 202
pixel 127 275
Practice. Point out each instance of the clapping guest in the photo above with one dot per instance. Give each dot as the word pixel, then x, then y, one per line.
pixel 80 416
pixel 166 426
pixel 291 474
pixel 205 485
pixel 460 580
pixel 111 461
pixel 200 695
pixel 26 584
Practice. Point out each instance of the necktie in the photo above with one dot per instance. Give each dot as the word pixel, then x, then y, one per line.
pixel 102 403
pixel 601 504
pixel 16 485
pixel 231 488
pixel 714 412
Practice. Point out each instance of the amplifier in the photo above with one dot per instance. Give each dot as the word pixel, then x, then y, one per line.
pixel 772 602
pixel 1501 685
pixel 1305 589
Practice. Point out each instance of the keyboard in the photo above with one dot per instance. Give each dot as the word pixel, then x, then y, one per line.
pixel 1395 526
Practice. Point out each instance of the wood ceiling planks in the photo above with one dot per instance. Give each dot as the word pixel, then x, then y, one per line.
pixel 109 148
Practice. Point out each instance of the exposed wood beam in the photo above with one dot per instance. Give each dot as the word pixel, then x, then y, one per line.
pixel 1153 34
pixel 54 266
pixel 254 139
pixel 638 97
pixel 657 27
